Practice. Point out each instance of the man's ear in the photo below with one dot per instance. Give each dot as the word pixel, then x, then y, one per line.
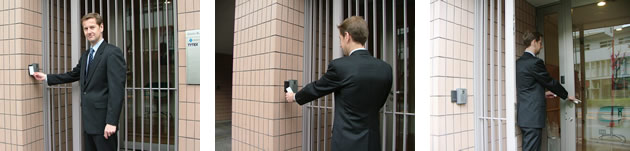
pixel 347 35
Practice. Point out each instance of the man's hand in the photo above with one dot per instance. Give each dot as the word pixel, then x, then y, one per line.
pixel 290 96
pixel 574 100
pixel 39 76
pixel 109 130
pixel 550 95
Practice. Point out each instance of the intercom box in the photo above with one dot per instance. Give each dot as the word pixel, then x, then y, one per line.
pixel 292 84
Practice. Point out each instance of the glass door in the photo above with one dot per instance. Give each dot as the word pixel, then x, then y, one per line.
pixel 602 55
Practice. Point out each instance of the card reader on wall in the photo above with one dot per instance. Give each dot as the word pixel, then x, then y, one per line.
pixel 32 68
pixel 290 86
pixel 459 96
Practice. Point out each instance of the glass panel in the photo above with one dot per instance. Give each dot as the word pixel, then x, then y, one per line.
pixel 604 67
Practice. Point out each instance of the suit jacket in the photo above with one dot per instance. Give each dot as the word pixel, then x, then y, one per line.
pixel 102 89
pixel 361 84
pixel 531 80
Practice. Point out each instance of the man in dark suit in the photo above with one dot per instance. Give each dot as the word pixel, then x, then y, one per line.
pixel 532 80
pixel 361 84
pixel 101 75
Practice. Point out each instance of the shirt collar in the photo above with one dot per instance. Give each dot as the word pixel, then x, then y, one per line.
pixel 98 44
pixel 533 54
pixel 356 50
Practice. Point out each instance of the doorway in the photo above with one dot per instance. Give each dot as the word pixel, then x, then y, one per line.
pixel 585 48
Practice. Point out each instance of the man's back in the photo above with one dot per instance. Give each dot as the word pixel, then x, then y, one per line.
pixel 361 84
pixel 531 80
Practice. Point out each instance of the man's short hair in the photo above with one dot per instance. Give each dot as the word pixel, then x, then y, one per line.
pixel 96 16
pixel 529 36
pixel 356 27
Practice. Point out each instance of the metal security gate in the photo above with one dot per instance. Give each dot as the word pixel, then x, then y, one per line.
pixel 494 71
pixel 58 100
pixel 390 34
pixel 145 31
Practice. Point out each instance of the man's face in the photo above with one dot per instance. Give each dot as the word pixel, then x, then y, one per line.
pixel 538 45
pixel 92 31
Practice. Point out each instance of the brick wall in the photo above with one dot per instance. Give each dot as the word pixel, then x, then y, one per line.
pixel 187 19
pixel 268 37
pixel 452 126
pixel 21 123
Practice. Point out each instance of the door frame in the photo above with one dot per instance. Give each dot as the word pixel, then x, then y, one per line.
pixel 565 47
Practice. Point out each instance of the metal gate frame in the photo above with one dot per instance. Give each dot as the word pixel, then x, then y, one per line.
pixel 489 119
pixel 75 53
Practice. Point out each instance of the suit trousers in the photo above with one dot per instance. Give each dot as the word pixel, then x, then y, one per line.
pixel 97 142
pixel 531 138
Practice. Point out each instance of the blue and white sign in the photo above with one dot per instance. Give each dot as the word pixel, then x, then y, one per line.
pixel 192 57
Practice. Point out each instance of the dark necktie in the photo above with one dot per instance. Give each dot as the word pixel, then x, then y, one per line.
pixel 90 57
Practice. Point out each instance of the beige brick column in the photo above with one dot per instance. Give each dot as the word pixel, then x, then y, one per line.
pixel 21 123
pixel 188 124
pixel 268 40
pixel 452 25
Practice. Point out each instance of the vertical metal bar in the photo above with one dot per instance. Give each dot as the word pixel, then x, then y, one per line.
pixel 58 62
pixel 150 53
pixel 356 7
pixel 168 83
pixel 395 85
pixel 365 16
pixel 50 69
pixel 491 68
pixel 133 58
pixel 108 20
pixel 176 73
pixel 93 7
pixel 306 65
pixel 374 33
pixel 384 32
pixel 44 46
pixel 349 9
pixel 319 68
pixel 159 73
pixel 383 58
pixel 328 34
pixel 406 76
pixel 45 64
pixel 65 64
pixel 485 73
pixel 500 66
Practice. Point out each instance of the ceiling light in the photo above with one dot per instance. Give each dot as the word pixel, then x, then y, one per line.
pixel 619 29
pixel 602 3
